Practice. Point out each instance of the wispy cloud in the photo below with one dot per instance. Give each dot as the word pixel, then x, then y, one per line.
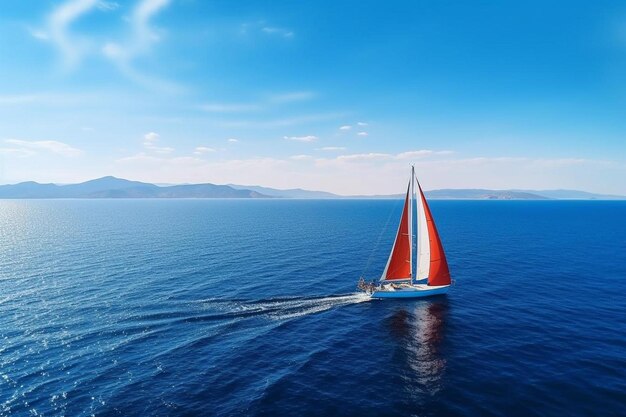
pixel 408 155
pixel 232 140
pixel 42 35
pixel 345 127
pixel 261 27
pixel 229 107
pixel 361 124
pixel 141 41
pixel 56 99
pixel 364 156
pixel 151 136
pixel 270 101
pixel 308 138
pixel 200 150
pixel 291 97
pixel 144 35
pixel 27 147
pixel 421 154
pixel 300 157
pixel 150 140
pixel 273 123
pixel 70 46
pixel 278 31
pixel 17 152
pixel 73 47
pixel 332 148
pixel 107 6
pixel 362 134
pixel 156 161
pixel 22 99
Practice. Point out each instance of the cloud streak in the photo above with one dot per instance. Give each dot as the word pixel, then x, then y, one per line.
pixel 332 148
pixel 150 140
pixel 29 147
pixel 273 30
pixel 71 48
pixel 201 150
pixel 141 41
pixel 308 138
pixel 274 100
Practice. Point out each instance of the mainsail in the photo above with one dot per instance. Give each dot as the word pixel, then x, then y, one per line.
pixel 399 265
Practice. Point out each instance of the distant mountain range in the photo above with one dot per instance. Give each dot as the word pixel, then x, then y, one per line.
pixel 289 193
pixel 111 187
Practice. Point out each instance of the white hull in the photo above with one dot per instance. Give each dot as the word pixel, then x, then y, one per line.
pixel 408 291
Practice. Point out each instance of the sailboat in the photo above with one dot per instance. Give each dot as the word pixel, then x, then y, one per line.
pixel 403 278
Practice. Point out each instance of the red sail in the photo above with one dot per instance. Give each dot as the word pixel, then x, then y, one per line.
pixel 439 273
pixel 399 263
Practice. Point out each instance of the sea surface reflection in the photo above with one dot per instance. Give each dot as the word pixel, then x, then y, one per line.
pixel 420 332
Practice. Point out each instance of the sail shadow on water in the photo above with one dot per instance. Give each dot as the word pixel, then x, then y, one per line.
pixel 419 331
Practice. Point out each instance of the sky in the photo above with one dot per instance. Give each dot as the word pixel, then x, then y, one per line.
pixel 340 96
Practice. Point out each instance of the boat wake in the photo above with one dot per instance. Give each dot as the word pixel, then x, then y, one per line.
pixel 283 308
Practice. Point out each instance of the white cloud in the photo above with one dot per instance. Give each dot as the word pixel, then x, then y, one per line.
pixel 269 124
pixel 228 108
pixel 364 156
pixel 421 154
pixel 272 30
pixel 262 27
pixel 39 34
pixel 291 97
pixel 156 161
pixel 57 99
pixel 267 102
pixel 202 150
pixel 52 146
pixel 418 154
pixel 18 152
pixel 108 6
pixel 362 134
pixel 362 124
pixel 151 136
pixel 332 148
pixel 71 47
pixel 300 157
pixel 20 99
pixel 232 140
pixel 141 41
pixel 160 149
pixel 345 127
pixel 149 142
pixel 308 138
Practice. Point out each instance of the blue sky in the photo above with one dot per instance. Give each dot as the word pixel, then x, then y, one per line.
pixel 337 96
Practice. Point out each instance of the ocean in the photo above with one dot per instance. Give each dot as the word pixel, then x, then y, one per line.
pixel 249 308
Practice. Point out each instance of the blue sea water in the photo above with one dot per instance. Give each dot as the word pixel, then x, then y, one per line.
pixel 248 308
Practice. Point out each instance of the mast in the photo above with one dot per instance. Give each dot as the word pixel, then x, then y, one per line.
pixel 411 196
pixel 423 239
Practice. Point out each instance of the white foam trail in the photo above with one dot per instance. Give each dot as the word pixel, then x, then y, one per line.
pixel 284 309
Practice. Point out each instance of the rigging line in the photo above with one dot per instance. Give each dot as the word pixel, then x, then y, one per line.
pixel 380 236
